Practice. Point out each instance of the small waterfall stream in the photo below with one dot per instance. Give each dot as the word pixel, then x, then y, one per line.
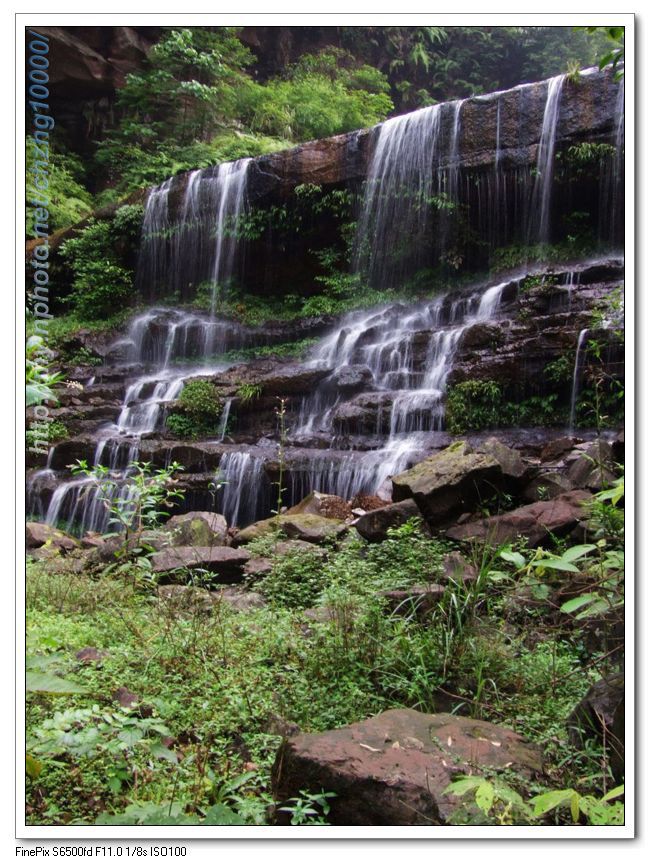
pixel 540 207
pixel 575 386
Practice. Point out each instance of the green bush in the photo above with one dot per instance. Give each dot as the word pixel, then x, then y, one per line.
pixel 199 410
pixel 473 405
pixel 101 281
pixel 69 200
pixel 56 431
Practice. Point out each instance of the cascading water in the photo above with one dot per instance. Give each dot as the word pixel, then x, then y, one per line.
pixel 168 341
pixel 245 493
pixel 399 184
pixel 198 244
pixel 575 386
pixel 540 206
pixel 410 374
pixel 416 188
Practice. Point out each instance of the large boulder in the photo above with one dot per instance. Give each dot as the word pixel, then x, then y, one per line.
pixel 448 482
pixel 392 769
pixel 197 529
pixel 374 525
pixel 512 465
pixel 601 715
pixel 224 563
pixel 593 467
pixel 40 534
pixel 546 485
pixel 303 527
pixel 533 522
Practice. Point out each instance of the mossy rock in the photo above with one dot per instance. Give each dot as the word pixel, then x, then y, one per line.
pixel 304 527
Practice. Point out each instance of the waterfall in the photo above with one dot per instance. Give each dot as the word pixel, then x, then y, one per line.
pixel 199 245
pixel 172 344
pixel 152 260
pixel 540 205
pixel 575 387
pixel 395 210
pixel 245 494
pixel 616 226
pixel 231 185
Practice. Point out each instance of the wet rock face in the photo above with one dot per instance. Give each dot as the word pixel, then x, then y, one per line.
pixel 392 770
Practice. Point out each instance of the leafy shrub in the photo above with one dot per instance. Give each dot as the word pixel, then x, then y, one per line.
pixel 56 431
pixel 101 282
pixel 199 410
pixel 69 200
pixel 473 404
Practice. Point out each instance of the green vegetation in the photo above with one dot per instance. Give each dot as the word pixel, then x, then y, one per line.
pixel 195 104
pixel 56 432
pixel 101 283
pixel 615 55
pixel 478 404
pixel 211 689
pixel 69 200
pixel 198 412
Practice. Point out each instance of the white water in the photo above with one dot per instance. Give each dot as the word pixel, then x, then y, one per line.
pixel 398 185
pixel 575 387
pixel 168 339
pixel 540 207
pixel 198 245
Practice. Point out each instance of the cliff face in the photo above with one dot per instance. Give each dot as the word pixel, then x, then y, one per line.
pixel 588 112
pixel 87 66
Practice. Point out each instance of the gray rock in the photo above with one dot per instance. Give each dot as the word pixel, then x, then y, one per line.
pixel 197 529
pixel 224 563
pixel 303 527
pixel 448 482
pixel 374 525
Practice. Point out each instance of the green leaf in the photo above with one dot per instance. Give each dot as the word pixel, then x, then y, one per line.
pixel 463 785
pixel 557 564
pixel 601 606
pixel 577 603
pixel 575 806
pixel 545 802
pixel 222 815
pixel 613 794
pixel 514 558
pixel 577 552
pixel 46 683
pixel 130 737
pixel 485 797
pixel 161 753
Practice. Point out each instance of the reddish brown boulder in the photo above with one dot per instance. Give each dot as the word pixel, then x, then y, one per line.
pixel 533 522
pixel 391 770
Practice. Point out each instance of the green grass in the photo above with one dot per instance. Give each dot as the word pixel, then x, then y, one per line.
pixel 224 687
